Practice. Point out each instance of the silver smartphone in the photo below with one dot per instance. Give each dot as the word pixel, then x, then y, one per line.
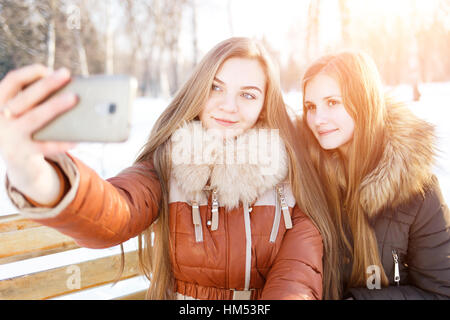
pixel 102 114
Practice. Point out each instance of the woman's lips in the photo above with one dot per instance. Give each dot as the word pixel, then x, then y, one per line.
pixel 326 132
pixel 225 123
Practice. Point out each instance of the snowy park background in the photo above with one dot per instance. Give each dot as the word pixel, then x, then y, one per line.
pixel 160 41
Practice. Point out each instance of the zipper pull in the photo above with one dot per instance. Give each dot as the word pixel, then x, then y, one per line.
pixel 284 208
pixel 215 211
pixel 396 269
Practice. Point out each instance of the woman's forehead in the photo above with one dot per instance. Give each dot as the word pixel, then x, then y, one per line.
pixel 242 72
pixel 321 85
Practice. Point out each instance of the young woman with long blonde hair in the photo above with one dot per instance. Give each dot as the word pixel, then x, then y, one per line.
pixel 226 224
pixel 375 161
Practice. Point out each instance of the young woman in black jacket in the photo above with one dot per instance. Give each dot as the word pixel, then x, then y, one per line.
pixel 375 160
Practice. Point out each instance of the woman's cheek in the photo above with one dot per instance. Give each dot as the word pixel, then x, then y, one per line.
pixel 310 121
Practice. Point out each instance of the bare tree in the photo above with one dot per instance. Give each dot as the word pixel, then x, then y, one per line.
pixel 51 42
pixel 344 11
pixel 73 24
pixel 230 17
pixel 312 30
pixel 194 32
pixel 132 28
pixel 109 36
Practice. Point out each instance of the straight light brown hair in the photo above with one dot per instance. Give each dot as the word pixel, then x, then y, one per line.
pixel 342 176
pixel 187 104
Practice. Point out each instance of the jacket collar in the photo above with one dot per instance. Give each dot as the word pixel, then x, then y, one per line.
pixel 406 164
pixel 240 169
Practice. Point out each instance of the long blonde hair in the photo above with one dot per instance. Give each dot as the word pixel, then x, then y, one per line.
pixel 363 98
pixel 154 259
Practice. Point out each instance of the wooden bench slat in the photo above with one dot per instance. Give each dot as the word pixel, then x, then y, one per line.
pixel 21 239
pixel 138 295
pixel 15 222
pixel 34 242
pixel 55 282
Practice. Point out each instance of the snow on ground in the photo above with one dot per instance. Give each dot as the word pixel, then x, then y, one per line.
pixel 109 159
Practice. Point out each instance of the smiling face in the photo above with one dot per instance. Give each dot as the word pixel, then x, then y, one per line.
pixel 326 115
pixel 236 98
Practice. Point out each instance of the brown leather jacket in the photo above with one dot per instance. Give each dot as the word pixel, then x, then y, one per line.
pixel 247 247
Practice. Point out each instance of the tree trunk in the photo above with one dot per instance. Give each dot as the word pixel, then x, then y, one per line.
pixel 230 18
pixel 51 42
pixel 345 22
pixel 81 54
pixel 109 67
pixel 312 31
pixel 194 34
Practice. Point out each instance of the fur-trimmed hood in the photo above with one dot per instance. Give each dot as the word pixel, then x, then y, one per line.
pixel 240 169
pixel 405 167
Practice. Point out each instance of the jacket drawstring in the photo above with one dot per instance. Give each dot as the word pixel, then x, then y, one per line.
pixel 215 211
pixel 197 221
pixel 276 219
pixel 280 205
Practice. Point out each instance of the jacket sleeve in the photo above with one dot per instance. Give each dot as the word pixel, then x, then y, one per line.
pixel 296 273
pixel 428 256
pixel 99 213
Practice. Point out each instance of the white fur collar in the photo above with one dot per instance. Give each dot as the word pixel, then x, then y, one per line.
pixel 241 169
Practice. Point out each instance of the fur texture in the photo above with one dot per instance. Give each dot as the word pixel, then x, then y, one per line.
pixel 241 169
pixel 405 167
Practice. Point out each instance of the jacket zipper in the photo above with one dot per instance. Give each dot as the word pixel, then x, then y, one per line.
pixel 396 268
pixel 248 246
pixel 227 248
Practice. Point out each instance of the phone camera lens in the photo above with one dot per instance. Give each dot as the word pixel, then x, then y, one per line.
pixel 112 108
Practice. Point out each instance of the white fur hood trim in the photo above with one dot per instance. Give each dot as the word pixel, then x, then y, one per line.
pixel 240 169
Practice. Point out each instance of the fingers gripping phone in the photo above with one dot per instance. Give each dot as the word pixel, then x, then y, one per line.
pixel 102 114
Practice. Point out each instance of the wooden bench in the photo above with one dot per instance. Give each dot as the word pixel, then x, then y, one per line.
pixel 22 239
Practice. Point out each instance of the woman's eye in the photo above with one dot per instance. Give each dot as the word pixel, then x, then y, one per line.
pixel 332 103
pixel 248 96
pixel 215 88
pixel 310 107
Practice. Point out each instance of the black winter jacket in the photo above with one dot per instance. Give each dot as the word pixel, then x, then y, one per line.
pixel 405 206
pixel 417 235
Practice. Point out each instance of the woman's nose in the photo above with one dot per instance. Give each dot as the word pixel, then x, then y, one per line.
pixel 229 104
pixel 321 116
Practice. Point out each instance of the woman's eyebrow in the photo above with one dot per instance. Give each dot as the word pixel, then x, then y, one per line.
pixel 243 88
pixel 218 80
pixel 251 88
pixel 332 96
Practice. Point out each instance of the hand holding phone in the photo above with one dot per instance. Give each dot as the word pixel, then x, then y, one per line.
pixel 37 102
pixel 27 102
